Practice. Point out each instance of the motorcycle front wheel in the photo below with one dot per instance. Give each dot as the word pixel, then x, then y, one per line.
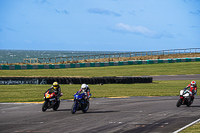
pixel 44 106
pixel 73 109
pixel 178 104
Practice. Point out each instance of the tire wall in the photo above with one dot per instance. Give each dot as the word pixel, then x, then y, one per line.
pixel 69 80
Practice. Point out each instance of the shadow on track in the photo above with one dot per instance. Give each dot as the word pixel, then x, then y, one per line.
pixel 63 110
pixel 195 106
pixel 59 110
pixel 101 111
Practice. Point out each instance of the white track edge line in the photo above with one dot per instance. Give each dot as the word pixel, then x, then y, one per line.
pixel 186 126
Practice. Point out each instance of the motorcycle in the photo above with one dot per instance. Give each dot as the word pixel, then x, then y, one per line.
pixel 50 100
pixel 185 98
pixel 80 103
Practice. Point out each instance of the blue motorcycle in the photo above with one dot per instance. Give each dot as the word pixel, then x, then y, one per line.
pixel 80 103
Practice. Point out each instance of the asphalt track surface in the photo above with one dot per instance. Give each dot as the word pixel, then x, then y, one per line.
pixel 176 77
pixel 105 115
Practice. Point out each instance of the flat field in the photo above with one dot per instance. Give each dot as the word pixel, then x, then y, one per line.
pixel 127 70
pixel 35 93
pixel 31 93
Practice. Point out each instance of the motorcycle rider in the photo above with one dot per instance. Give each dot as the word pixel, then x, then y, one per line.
pixel 193 88
pixel 85 89
pixel 57 90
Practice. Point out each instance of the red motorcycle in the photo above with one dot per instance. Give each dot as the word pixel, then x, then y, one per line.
pixel 50 100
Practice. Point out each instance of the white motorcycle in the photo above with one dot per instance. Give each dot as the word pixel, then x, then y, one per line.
pixel 185 98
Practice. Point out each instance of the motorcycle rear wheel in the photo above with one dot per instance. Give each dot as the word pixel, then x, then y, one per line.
pixel 56 106
pixel 73 109
pixel 188 103
pixel 178 104
pixel 85 109
pixel 44 106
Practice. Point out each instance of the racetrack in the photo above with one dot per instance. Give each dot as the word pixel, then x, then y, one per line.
pixel 177 77
pixel 124 115
pixel 113 115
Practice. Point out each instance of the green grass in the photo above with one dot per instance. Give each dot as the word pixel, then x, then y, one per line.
pixel 34 93
pixel 27 93
pixel 30 93
pixel 128 70
pixel 193 129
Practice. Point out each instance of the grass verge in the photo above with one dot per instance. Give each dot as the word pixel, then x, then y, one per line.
pixel 127 70
pixel 34 93
pixel 193 129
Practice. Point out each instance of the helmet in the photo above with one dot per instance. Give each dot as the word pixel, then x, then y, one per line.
pixel 55 85
pixel 193 83
pixel 83 86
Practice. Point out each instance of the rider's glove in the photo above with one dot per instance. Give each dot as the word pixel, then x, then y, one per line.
pixel 185 88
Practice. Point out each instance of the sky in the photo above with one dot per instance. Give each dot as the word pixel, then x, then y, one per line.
pixel 99 25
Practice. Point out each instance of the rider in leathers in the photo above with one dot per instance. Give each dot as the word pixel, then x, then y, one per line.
pixel 57 90
pixel 193 88
pixel 85 89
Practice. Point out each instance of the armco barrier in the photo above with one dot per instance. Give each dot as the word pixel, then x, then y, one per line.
pixel 97 64
pixel 74 80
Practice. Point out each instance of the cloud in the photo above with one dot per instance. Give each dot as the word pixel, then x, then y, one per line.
pixel 10 29
pixel 62 12
pixel 193 26
pixel 140 30
pixel 42 2
pixel 132 13
pixel 103 12
pixel 195 13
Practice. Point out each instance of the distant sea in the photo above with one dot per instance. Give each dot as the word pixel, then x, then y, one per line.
pixel 17 56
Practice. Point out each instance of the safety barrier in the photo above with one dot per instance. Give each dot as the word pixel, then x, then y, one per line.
pixel 97 64
pixel 74 80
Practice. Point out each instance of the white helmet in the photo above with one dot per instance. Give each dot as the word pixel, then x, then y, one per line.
pixel 83 86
